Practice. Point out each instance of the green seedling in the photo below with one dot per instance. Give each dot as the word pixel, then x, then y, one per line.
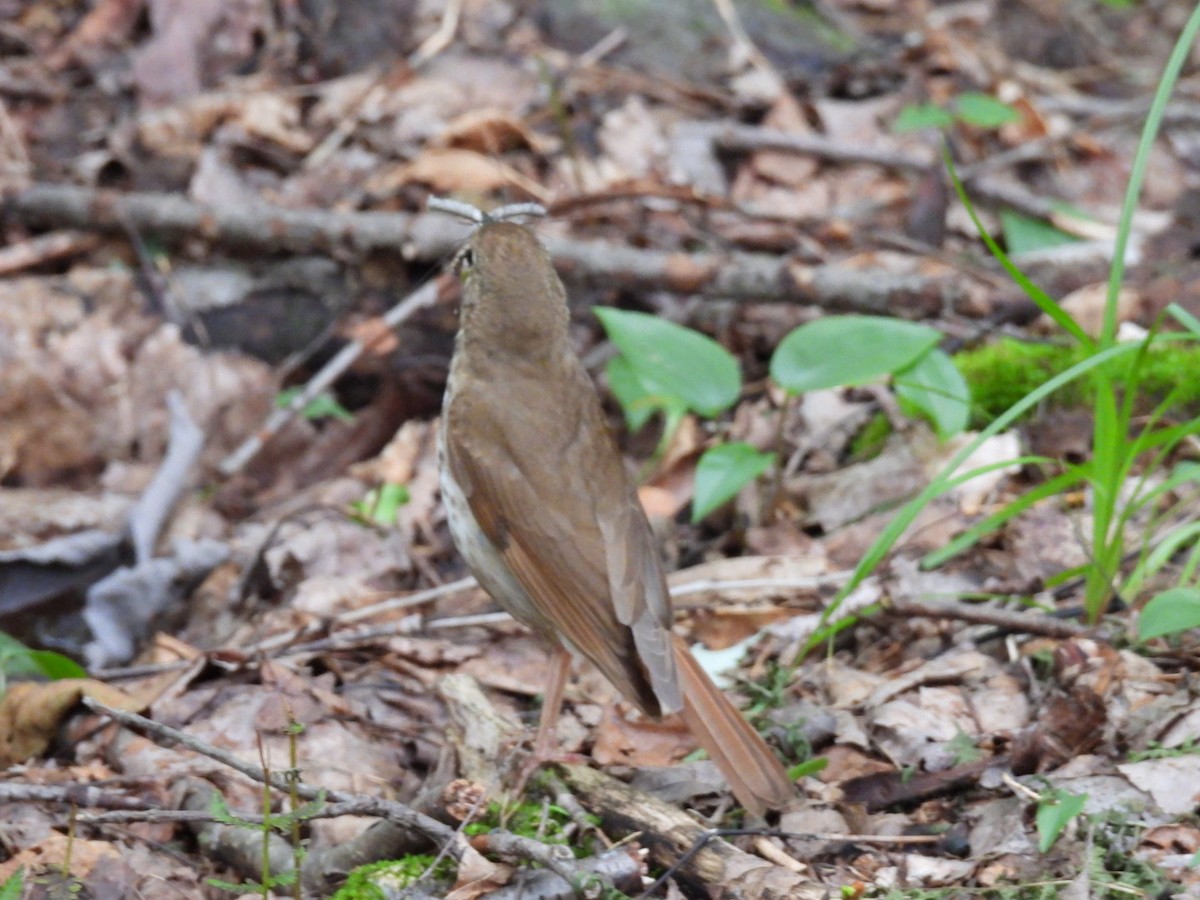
pixel 323 406
pixel 1056 810
pixel 972 108
pixel 381 505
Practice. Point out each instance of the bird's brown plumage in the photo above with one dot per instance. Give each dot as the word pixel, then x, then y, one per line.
pixel 546 516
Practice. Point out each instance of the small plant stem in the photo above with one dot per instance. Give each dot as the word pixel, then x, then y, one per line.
pixel 771 500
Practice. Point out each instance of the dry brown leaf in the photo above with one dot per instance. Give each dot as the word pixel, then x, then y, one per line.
pixel 56 850
pixel 102 30
pixel 488 131
pixel 660 503
pixel 1086 306
pixel 448 170
pixel 30 713
pixel 788 169
pixel 178 131
pixel 478 876
pixel 275 117
pixel 397 462
pixel 641 741
pixel 718 629
pixel 376 336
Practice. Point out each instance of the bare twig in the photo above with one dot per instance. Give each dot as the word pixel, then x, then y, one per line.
pixel 406 816
pixel 418 299
pixel 45 248
pixel 441 38
pixel 73 795
pixel 1008 619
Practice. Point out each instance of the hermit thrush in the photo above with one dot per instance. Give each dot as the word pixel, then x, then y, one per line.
pixel 545 515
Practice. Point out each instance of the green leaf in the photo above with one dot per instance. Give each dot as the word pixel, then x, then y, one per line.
pixel 984 110
pixel 842 350
pixel 934 387
pixel 922 115
pixel 808 767
pixel 1053 813
pixel 637 402
pixel 674 362
pixel 391 496
pixel 1185 318
pixel 1170 612
pixel 14 885
pixel 724 470
pixel 322 406
pixel 17 659
pixel 1023 234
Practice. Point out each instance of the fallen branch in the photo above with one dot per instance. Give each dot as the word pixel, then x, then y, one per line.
pixel 736 276
pixel 672 838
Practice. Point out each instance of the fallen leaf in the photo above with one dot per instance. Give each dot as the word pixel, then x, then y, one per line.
pixel 30 713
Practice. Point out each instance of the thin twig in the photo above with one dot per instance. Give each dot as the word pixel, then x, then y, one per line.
pixel 330 372
pixel 1008 619
pixel 406 816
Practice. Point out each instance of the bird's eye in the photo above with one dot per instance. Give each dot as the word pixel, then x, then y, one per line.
pixel 464 262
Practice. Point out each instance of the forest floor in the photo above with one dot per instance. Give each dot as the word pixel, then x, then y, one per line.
pixel 225 325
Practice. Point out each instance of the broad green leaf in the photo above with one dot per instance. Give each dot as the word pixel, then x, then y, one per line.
pixel 984 110
pixel 1170 612
pixel 673 361
pixel 1023 234
pixel 1053 813
pixel 55 666
pixel 935 388
pixel 637 403
pixel 844 350
pixel 17 659
pixel 724 470
pixel 922 115
pixel 392 496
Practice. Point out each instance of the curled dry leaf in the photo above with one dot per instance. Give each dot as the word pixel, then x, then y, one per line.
pixel 639 742
pixel 449 170
pixel 30 713
pixel 478 876
pixel 488 131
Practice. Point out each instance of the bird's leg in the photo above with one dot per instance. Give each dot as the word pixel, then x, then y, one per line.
pixel 547 733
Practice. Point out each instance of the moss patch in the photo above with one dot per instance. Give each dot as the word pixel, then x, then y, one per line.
pixel 1002 372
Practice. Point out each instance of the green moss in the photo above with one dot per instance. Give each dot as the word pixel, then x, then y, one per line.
pixel 528 819
pixel 380 880
pixel 1002 372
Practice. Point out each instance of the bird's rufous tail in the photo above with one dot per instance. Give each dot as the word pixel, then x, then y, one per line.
pixel 756 776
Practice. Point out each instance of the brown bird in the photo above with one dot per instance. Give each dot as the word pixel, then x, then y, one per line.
pixel 543 511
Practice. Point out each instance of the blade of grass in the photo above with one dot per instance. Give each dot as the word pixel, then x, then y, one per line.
pixel 1137 171
pixel 943 482
pixel 969 537
pixel 1044 301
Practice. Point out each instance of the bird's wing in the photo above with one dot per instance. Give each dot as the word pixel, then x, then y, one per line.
pixel 548 488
